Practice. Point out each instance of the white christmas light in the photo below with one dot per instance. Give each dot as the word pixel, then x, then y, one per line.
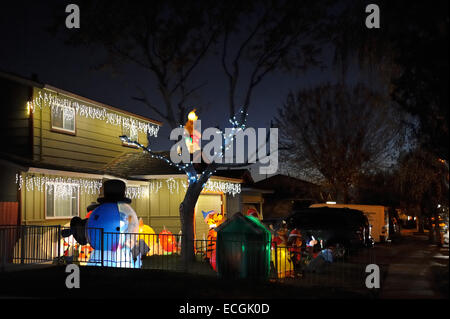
pixel 63 186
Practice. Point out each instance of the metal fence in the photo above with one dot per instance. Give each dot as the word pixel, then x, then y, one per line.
pixel 244 259
pixel 29 244
pixel 321 267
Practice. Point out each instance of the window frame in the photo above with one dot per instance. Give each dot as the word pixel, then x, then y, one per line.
pixel 54 198
pixel 62 129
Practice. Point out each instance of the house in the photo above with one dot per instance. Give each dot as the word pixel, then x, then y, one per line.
pixel 288 193
pixel 59 147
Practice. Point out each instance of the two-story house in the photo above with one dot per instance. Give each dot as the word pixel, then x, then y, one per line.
pixel 58 148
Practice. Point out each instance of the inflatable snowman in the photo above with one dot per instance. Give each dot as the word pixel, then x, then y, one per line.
pixel 110 229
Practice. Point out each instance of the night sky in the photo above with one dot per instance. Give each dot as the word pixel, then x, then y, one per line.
pixel 27 48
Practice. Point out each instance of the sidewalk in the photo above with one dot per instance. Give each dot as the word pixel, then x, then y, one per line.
pixel 411 272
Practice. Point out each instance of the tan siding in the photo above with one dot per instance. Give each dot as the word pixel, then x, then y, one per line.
pixel 71 162
pixel 170 223
pixel 154 204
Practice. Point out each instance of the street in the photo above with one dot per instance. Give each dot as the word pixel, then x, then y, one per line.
pixel 415 268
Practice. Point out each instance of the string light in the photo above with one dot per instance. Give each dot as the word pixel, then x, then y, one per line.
pixel 64 187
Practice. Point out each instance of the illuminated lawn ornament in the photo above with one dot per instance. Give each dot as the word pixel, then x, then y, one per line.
pixel 192 137
pixel 148 235
pixel 242 240
pixel 213 219
pixel 116 220
pixel 282 261
pixel 167 241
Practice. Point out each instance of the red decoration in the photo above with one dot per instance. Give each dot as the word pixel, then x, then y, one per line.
pixel 167 241
pixel 252 212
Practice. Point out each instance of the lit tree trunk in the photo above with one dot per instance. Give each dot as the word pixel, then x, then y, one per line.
pixel 187 210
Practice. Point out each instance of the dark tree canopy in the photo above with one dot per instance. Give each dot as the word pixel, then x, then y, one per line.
pixel 410 51
pixel 333 133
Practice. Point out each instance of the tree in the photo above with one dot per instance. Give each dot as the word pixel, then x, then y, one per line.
pixel 170 39
pixel 378 187
pixel 410 53
pixel 332 133
pixel 422 182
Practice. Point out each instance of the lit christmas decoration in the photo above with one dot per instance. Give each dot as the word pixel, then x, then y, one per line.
pixel 172 185
pixel 134 192
pixel 63 187
pixel 192 136
pixel 71 108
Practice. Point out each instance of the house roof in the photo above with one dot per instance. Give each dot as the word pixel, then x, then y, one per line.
pixel 138 164
pixel 284 183
pixel 243 174
pixel 26 163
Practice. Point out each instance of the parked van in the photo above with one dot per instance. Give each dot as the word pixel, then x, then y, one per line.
pixel 377 215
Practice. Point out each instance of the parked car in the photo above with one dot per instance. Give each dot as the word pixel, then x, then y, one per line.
pixel 343 228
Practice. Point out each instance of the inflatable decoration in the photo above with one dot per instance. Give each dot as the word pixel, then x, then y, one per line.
pixel 213 219
pixel 295 242
pixel 115 218
pixel 192 136
pixel 148 236
pixel 283 263
pixel 252 212
pixel 167 241
pixel 281 257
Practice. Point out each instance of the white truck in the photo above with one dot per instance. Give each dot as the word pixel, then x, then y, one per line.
pixel 377 215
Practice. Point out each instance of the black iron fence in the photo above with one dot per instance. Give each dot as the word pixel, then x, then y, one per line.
pixel 237 259
pixel 29 244
pixel 322 267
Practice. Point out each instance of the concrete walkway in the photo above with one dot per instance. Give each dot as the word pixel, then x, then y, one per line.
pixel 409 274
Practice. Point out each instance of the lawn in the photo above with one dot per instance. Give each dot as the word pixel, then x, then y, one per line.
pixel 97 282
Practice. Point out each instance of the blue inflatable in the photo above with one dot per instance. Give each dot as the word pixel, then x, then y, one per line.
pixel 114 218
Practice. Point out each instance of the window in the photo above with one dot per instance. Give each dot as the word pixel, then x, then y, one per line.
pixel 62 200
pixel 132 133
pixel 63 119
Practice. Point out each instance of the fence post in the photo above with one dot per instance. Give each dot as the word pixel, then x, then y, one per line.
pixel 102 243
pixel 4 248
pixel 59 242
pixel 275 266
pixel 23 243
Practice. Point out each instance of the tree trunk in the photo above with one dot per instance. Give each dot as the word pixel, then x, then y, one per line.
pixel 434 230
pixel 187 210
pixel 420 220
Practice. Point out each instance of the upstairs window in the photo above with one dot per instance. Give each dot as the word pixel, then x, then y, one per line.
pixel 62 200
pixel 63 119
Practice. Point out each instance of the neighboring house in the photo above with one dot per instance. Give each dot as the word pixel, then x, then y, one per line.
pixel 288 193
pixel 58 148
